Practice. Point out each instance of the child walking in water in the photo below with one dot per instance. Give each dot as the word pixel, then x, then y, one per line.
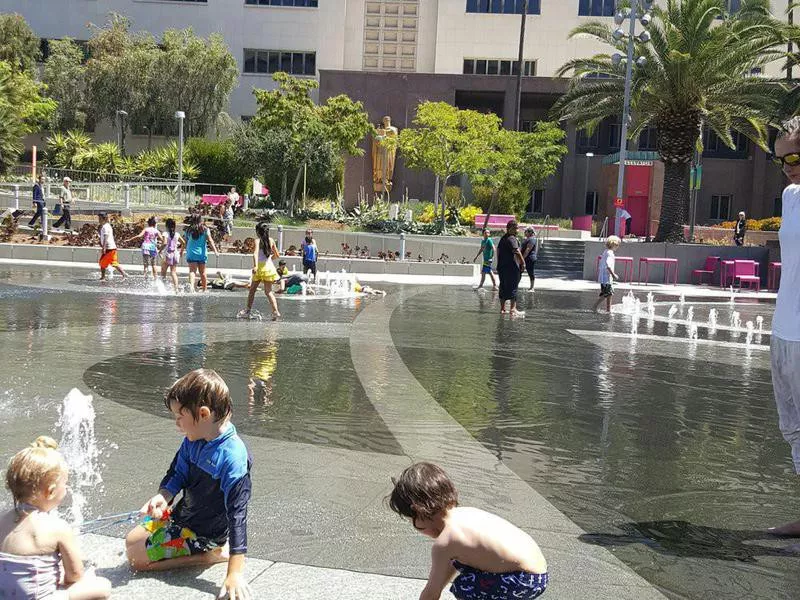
pixel 212 468
pixel 264 270
pixel 150 237
pixel 198 238
pixel 487 249
pixel 173 248
pixel 108 248
pixel 606 276
pixel 484 556
pixel 35 544
pixel 310 254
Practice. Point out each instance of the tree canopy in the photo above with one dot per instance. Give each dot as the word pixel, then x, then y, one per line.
pixel 699 72
pixel 64 74
pixel 151 79
pixel 448 141
pixel 294 133
pixel 19 46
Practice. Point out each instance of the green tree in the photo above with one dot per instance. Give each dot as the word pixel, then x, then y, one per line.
pixel 62 148
pixel 698 73
pixel 301 132
pixel 19 47
pixel 447 141
pixel 64 74
pixel 23 110
pixel 150 80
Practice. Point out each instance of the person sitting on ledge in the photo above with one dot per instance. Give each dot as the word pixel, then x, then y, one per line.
pixel 495 559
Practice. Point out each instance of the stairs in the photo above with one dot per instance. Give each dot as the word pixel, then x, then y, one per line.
pixel 561 257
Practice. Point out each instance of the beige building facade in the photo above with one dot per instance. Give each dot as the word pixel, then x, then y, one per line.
pixel 463 51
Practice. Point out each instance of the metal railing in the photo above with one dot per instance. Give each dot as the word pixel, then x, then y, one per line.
pixel 125 195
pixel 546 231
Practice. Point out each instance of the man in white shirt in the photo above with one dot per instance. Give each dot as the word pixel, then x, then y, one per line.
pixel 65 199
pixel 623 216
pixel 785 345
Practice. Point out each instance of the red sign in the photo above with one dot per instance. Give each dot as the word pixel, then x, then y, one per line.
pixel 619 202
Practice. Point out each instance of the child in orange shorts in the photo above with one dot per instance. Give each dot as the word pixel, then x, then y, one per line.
pixel 108 248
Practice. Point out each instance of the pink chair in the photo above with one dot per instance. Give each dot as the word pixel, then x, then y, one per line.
pixel 747 271
pixel 711 266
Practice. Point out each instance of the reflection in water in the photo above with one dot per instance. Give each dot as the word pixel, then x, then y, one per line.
pixel 684 539
pixel 262 367
pixel 613 437
pixel 300 390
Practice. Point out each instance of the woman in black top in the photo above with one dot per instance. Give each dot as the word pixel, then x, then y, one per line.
pixel 528 250
pixel 510 265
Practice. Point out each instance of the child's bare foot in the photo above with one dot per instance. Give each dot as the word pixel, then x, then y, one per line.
pixel 517 313
pixel 276 316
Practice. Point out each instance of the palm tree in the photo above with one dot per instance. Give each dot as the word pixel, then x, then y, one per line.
pixel 699 72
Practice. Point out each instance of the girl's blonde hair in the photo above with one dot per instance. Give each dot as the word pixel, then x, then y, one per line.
pixel 613 242
pixel 38 464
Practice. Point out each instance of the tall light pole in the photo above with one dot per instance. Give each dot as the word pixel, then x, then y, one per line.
pixel 180 115
pixel 121 114
pixel 586 180
pixel 518 99
pixel 616 59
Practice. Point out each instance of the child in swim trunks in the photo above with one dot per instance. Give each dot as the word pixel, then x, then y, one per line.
pixel 36 545
pixel 484 556
pixel 150 237
pixel 212 468
pixel 108 248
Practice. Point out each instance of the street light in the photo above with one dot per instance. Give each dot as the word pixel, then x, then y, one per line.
pixel 180 115
pixel 616 60
pixel 121 114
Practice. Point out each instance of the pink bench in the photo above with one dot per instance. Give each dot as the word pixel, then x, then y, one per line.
pixel 670 264
pixel 627 262
pixel 217 199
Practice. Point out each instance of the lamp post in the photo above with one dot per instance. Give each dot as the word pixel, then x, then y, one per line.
pixel 616 59
pixel 586 180
pixel 518 98
pixel 121 114
pixel 180 115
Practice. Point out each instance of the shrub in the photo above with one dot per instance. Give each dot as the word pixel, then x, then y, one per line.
pixel 467 214
pixel 511 200
pixel 217 162
pixel 769 224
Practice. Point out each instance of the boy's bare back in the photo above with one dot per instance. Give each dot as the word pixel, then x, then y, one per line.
pixel 488 543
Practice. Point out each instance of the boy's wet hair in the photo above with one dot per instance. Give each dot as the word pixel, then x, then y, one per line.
pixel 39 464
pixel 422 491
pixel 198 388
pixel 102 216
pixel 613 241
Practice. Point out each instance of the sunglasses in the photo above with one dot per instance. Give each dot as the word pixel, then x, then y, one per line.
pixel 792 159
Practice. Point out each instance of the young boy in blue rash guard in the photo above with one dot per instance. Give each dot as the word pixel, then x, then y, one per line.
pixel 212 469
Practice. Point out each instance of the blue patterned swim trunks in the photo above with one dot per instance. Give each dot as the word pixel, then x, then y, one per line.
pixel 473 584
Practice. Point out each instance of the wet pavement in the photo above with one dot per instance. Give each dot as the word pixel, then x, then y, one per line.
pixel 655 454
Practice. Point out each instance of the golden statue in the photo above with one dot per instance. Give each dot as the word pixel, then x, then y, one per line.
pixel 384 149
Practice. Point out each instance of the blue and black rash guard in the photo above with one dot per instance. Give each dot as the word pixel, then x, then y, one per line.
pixel 215 479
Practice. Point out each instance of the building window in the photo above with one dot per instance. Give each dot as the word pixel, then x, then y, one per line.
pixel 648 140
pixel 272 61
pixel 591 203
pixel 714 146
pixel 497 66
pixel 306 3
pixel 614 135
pixel 508 7
pixel 588 141
pixel 537 202
pixel 720 207
pixel 596 8
pixel 777 207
